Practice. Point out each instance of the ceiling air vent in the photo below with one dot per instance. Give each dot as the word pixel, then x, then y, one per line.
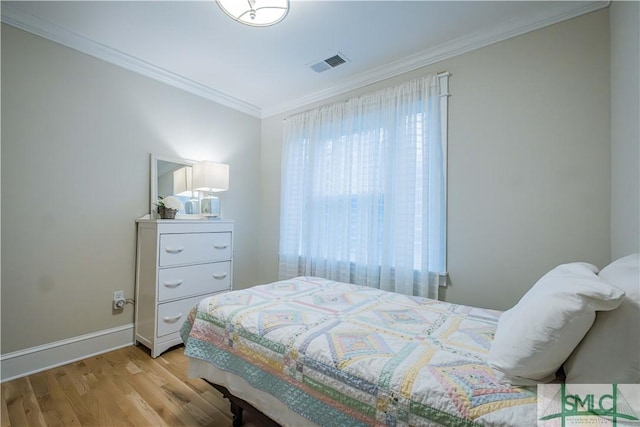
pixel 329 63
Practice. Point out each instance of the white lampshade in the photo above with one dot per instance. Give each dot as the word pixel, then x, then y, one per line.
pixel 257 13
pixel 182 185
pixel 210 176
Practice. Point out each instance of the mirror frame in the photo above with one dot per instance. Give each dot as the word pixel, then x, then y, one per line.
pixel 153 183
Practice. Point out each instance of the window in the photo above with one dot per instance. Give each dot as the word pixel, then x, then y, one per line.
pixel 364 187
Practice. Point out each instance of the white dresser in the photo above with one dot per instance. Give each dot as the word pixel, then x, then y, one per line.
pixel 179 262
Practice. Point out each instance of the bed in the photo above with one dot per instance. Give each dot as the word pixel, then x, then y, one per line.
pixel 310 351
pixel 341 354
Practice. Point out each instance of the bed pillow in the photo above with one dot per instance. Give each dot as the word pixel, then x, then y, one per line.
pixel 610 352
pixel 539 333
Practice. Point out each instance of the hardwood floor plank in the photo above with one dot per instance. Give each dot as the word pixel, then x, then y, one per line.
pixel 68 390
pixel 150 416
pixel 159 399
pixel 22 403
pixel 200 387
pixel 131 414
pixel 4 413
pixel 16 411
pixel 178 387
pixel 179 367
pixel 135 405
pixel 55 410
pixel 125 387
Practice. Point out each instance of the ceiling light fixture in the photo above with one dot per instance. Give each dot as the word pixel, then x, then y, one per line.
pixel 257 13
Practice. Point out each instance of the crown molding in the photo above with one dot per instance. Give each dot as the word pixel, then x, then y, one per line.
pixel 24 21
pixel 43 28
pixel 444 51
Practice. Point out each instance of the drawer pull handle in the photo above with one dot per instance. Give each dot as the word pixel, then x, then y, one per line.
pixel 172 319
pixel 173 251
pixel 220 246
pixel 173 284
pixel 219 275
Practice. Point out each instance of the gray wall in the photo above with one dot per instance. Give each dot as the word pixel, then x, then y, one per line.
pixel 529 161
pixel 625 128
pixel 76 138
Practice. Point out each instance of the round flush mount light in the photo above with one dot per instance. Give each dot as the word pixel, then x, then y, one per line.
pixel 257 13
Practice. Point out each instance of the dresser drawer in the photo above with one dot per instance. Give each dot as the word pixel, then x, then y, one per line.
pixel 180 282
pixel 172 315
pixel 189 248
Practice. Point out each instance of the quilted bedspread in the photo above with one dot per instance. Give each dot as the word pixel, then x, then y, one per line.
pixel 346 355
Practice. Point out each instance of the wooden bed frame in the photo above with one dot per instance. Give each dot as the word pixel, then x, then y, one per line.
pixel 238 406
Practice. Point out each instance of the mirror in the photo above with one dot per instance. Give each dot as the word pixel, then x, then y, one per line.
pixel 171 176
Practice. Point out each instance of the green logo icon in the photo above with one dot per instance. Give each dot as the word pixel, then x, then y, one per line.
pixel 578 404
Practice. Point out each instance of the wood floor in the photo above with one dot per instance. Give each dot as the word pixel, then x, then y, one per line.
pixel 125 387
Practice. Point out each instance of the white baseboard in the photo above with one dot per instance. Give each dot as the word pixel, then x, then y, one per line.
pixel 36 359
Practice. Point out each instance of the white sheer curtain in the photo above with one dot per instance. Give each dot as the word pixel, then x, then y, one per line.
pixel 363 191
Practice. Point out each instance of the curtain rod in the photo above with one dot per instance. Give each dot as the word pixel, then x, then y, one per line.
pixel 439 74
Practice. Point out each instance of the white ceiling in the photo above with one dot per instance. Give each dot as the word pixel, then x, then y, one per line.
pixel 265 70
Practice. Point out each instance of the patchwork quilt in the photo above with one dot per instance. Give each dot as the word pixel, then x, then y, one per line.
pixel 348 355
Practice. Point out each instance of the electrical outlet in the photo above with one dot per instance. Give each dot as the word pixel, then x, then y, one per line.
pixel 118 300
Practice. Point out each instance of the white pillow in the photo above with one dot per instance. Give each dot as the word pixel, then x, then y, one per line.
pixel 537 335
pixel 610 352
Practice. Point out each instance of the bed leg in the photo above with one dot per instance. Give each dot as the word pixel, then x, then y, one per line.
pixel 237 415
